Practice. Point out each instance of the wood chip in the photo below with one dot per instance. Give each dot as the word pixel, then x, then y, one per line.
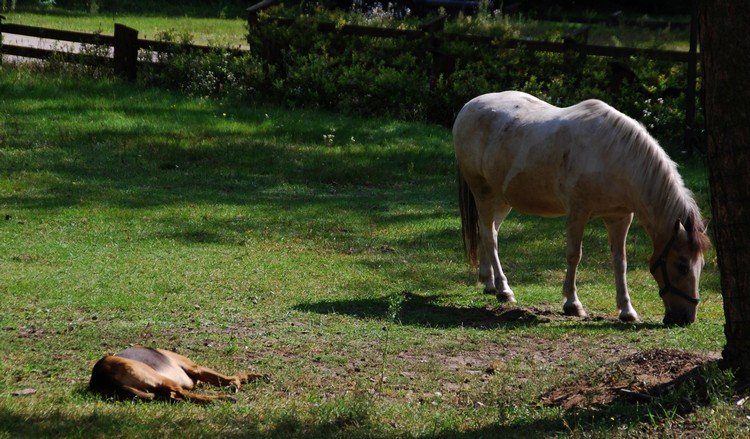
pixel 24 392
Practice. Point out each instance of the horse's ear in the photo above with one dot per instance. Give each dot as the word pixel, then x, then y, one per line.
pixel 677 226
pixel 689 224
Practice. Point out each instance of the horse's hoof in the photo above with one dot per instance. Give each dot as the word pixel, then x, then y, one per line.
pixel 506 296
pixel 628 316
pixel 575 310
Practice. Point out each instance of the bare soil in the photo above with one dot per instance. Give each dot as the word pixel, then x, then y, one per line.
pixel 514 314
pixel 639 377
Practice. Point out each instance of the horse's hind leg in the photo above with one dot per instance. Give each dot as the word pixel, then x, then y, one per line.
pixel 490 270
pixel 618 231
pixel 576 224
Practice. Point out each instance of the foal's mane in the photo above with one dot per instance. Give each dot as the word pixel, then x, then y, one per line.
pixel 646 164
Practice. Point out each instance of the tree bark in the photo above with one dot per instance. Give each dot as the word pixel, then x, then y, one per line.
pixel 725 51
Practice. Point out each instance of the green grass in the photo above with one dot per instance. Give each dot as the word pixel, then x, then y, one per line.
pixel 240 237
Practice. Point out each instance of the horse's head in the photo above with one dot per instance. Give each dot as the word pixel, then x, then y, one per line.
pixel 677 270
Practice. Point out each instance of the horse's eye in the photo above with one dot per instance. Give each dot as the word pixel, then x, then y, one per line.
pixel 683 269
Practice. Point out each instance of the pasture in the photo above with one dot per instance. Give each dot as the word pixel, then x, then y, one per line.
pixel 318 248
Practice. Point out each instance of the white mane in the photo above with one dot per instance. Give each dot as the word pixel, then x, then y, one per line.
pixel 644 162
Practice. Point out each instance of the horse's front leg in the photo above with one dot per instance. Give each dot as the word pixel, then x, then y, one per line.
pixel 618 231
pixel 576 224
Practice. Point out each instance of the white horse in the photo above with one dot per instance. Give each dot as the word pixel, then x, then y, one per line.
pixel 584 161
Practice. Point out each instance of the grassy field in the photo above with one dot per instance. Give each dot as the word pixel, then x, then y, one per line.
pixel 318 248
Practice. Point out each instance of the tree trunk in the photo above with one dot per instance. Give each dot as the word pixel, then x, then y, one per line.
pixel 725 50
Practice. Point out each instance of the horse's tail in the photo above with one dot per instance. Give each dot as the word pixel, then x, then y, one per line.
pixel 469 219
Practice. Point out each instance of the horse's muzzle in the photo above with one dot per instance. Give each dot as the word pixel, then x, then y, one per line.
pixel 679 319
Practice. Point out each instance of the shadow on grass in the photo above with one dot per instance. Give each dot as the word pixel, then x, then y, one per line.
pixel 264 171
pixel 418 310
pixel 340 418
pixel 421 311
pixel 158 155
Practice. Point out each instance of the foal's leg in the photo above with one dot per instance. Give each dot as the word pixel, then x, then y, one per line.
pixel 210 376
pixel 618 232
pixel 576 224
pixel 171 391
pixel 490 270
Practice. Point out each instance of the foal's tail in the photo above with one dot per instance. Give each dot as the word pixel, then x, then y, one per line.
pixel 469 219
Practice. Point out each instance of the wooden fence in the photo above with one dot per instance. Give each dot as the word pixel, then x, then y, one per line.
pixel 122 53
pixel 125 45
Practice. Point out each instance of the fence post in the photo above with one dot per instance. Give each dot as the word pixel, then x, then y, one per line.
pixel 126 52
pixel 576 61
pixel 2 17
pixel 691 139
pixel 442 63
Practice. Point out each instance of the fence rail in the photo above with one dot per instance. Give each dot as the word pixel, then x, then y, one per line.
pixel 124 40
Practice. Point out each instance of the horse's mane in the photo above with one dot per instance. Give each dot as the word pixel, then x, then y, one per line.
pixel 641 157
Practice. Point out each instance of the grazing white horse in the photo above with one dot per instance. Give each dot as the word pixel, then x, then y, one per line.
pixel 584 161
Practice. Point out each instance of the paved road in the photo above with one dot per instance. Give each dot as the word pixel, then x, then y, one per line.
pixel 40 43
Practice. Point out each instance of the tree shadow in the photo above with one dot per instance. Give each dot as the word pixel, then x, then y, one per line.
pixel 422 310
pixel 168 163
pixel 417 310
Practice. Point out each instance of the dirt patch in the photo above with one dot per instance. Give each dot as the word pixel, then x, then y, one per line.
pixel 636 378
pixel 31 332
pixel 533 314
pixel 523 315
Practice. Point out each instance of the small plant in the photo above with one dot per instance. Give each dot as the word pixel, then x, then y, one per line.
pixel 395 303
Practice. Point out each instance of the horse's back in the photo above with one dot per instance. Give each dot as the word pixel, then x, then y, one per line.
pixel 499 120
pixel 528 154
pixel 517 146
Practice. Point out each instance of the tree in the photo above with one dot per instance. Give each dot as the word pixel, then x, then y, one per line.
pixel 725 51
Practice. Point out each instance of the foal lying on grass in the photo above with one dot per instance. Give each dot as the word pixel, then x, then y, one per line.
pixel 147 373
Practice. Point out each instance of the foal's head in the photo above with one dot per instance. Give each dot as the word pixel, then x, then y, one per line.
pixel 677 270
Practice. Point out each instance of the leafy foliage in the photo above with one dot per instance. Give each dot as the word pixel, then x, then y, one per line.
pixel 413 79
